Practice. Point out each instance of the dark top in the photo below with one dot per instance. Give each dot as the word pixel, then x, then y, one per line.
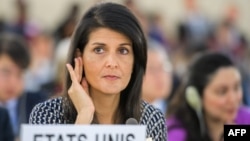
pixel 23 108
pixel 51 112
pixel 6 133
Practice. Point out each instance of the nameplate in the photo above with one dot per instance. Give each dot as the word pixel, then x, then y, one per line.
pixel 69 132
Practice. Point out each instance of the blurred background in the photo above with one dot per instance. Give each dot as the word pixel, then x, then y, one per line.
pixel 178 24
pixel 182 27
pixel 49 13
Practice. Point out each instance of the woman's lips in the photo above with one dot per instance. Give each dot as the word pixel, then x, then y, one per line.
pixel 231 111
pixel 111 77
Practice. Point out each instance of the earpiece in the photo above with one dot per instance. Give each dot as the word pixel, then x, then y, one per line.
pixel 193 98
pixel 194 101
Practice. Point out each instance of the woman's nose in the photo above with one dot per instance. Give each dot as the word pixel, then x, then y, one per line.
pixel 111 61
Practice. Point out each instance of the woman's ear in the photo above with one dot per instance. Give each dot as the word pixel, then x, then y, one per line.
pixel 78 53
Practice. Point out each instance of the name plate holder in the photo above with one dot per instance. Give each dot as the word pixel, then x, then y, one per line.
pixel 71 132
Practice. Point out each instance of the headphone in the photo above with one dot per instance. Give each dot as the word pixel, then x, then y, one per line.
pixel 194 101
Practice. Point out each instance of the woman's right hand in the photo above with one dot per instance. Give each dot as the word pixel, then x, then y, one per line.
pixel 79 93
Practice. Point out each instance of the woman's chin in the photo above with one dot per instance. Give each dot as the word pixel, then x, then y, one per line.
pixel 112 91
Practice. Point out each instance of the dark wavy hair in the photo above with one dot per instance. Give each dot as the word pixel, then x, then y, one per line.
pixel 118 18
pixel 200 71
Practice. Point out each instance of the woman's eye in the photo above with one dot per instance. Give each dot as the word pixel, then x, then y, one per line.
pixel 222 92
pixel 124 51
pixel 98 50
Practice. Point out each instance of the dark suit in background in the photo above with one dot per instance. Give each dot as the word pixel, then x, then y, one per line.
pixel 6 133
pixel 23 108
pixel 26 103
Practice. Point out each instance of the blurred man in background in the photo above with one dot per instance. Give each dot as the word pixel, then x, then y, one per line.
pixel 14 60
pixel 157 82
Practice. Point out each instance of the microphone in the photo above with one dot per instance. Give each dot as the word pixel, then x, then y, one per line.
pixel 131 121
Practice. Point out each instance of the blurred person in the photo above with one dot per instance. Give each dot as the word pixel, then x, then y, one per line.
pixel 157 30
pixel 157 82
pixel 230 40
pixel 22 26
pixel 228 37
pixel 244 64
pixel 131 5
pixel 14 61
pixel 66 27
pixel 62 36
pixel 40 70
pixel 195 26
pixel 6 132
pixel 14 57
pixel 193 32
pixel 2 25
pixel 106 64
pixel 59 60
pixel 55 87
pixel 210 97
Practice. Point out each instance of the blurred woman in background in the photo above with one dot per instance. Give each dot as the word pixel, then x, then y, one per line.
pixel 210 97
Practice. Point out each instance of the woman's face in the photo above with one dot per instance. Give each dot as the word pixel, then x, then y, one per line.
pixel 223 95
pixel 108 61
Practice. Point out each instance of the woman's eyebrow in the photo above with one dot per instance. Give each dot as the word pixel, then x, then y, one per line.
pixel 98 43
pixel 122 44
pixel 126 44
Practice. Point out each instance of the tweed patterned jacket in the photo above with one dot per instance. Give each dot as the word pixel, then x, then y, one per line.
pixel 51 112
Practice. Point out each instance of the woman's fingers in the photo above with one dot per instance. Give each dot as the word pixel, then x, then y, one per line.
pixel 85 86
pixel 77 69
pixel 78 64
pixel 81 67
pixel 71 73
pixel 79 93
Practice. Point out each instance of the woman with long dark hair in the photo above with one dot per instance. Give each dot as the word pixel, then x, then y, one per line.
pixel 106 64
pixel 210 97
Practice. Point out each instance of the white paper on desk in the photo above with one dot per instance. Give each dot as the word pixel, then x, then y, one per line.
pixel 71 132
